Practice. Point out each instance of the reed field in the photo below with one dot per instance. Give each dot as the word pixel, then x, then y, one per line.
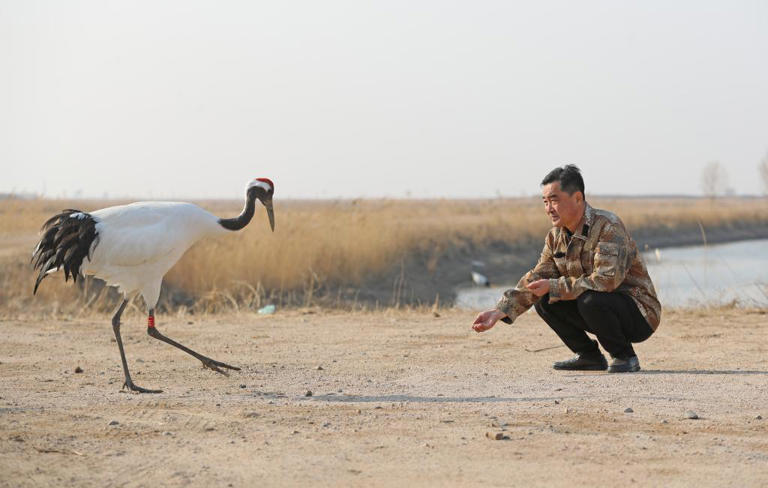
pixel 322 246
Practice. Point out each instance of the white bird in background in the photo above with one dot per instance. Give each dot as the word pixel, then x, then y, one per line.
pixel 480 279
pixel 133 246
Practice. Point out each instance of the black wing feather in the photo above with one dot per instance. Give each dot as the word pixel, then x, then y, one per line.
pixel 65 241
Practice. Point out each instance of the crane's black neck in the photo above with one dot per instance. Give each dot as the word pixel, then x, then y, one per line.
pixel 245 216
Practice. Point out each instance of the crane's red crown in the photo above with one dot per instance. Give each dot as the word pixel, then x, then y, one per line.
pixel 267 181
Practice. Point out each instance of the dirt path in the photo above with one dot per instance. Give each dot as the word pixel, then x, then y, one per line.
pixel 402 399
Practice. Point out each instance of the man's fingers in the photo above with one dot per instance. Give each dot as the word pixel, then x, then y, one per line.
pixel 485 320
pixel 482 326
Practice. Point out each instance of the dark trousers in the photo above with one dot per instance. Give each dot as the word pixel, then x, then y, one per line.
pixel 613 317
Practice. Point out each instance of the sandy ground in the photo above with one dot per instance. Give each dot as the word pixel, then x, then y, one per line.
pixel 398 399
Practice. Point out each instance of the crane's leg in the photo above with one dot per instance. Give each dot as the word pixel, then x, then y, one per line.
pixel 116 327
pixel 207 362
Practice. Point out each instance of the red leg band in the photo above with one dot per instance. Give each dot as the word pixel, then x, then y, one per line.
pixel 151 321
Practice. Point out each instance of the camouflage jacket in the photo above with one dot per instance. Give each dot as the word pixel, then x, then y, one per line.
pixel 601 257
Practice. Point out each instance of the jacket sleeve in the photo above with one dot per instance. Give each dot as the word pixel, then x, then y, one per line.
pixel 517 300
pixel 611 264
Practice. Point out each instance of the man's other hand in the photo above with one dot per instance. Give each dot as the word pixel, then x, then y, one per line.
pixel 486 320
pixel 539 287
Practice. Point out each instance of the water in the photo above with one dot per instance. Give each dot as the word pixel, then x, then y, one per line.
pixel 686 277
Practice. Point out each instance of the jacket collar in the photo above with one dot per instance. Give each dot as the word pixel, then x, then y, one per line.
pixel 589 217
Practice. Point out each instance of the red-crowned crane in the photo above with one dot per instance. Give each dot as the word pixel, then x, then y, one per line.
pixel 133 246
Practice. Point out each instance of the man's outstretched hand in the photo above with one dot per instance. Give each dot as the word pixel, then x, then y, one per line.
pixel 486 320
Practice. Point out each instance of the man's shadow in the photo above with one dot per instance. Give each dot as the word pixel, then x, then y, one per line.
pixel 679 371
pixel 700 371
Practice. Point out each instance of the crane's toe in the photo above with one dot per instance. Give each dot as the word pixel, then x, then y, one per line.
pixel 217 365
pixel 138 389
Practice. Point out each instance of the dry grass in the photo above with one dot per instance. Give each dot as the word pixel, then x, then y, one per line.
pixel 318 245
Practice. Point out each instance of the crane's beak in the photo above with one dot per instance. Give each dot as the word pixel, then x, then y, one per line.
pixel 270 213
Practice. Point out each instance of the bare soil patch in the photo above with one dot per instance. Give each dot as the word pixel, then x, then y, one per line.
pixel 397 399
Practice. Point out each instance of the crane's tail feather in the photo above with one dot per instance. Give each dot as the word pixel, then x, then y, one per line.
pixel 67 238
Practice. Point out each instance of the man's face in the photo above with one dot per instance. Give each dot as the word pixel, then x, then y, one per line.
pixel 563 209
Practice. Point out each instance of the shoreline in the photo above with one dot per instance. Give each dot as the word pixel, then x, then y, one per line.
pixel 410 282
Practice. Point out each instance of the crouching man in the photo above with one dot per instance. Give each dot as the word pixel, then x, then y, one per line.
pixel 589 278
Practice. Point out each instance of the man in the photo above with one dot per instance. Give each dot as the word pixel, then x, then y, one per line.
pixel 589 278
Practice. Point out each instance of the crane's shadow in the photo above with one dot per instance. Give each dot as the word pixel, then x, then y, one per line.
pixel 427 399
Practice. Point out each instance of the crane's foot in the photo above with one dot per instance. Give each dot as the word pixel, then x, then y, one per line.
pixel 129 384
pixel 217 365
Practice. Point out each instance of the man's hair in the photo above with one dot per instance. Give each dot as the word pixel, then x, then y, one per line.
pixel 569 177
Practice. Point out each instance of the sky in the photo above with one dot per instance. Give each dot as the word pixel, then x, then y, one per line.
pixel 349 99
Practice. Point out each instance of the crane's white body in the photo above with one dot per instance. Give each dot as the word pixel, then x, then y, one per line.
pixel 138 243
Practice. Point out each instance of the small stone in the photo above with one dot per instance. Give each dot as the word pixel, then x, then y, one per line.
pixel 242 386
pixel 359 411
pixel 167 433
pixel 557 402
pixel 210 429
pixel 690 414
pixel 628 410
pixel 759 417
pixel 78 369
pixel 665 421
pixel 308 393
pixel 319 368
pixel 114 422
pixel 495 436
pixel 567 410
pixel 252 415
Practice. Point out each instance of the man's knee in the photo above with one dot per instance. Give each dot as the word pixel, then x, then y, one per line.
pixel 542 306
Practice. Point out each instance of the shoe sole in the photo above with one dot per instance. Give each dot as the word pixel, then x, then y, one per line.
pixel 630 370
pixel 585 368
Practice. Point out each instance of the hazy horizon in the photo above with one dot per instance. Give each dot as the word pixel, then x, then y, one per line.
pixel 342 99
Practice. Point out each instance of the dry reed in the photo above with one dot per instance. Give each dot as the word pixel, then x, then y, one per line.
pixel 321 244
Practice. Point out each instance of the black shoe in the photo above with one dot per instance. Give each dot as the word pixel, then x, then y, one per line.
pixel 584 362
pixel 624 365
